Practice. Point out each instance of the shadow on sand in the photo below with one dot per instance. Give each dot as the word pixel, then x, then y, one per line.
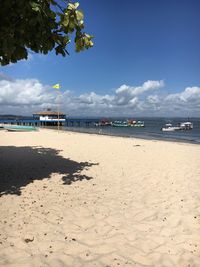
pixel 20 166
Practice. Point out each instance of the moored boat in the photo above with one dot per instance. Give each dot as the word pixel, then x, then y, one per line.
pixel 120 124
pixel 128 123
pixel 169 128
pixel 103 122
pixel 131 123
pixel 181 126
pixel 20 128
pixel 186 125
pixel 139 124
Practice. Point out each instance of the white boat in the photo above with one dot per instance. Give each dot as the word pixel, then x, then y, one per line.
pixel 169 128
pixel 186 125
pixel 139 124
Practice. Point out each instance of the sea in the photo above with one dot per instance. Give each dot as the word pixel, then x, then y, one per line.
pixel 152 129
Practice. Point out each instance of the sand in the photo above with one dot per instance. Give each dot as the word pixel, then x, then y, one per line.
pixel 72 199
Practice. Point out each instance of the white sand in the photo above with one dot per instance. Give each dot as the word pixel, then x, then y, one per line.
pixel 71 199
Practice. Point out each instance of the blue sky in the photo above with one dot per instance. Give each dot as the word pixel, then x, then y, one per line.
pixel 136 41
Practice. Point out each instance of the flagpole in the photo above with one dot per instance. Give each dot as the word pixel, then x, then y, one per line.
pixel 58 107
pixel 57 86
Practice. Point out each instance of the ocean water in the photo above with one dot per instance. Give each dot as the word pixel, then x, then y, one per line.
pixel 152 129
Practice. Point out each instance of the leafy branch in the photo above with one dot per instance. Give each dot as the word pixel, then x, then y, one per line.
pixel 40 26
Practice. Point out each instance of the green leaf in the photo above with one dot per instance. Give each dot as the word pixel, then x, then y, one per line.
pixel 76 5
pixel 79 15
pixel 66 40
pixel 73 6
pixel 65 21
pixel 35 6
pixel 59 50
pixel 70 6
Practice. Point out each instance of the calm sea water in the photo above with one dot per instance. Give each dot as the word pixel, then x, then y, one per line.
pixel 150 131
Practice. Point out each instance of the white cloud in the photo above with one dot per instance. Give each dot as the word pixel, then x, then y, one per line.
pixel 24 95
pixel 29 95
pixel 190 94
pixel 153 99
pixel 133 91
pixel 185 103
pixel 126 95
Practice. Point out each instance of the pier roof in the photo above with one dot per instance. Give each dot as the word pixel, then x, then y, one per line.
pixel 48 113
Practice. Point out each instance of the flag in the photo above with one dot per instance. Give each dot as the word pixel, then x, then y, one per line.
pixel 56 86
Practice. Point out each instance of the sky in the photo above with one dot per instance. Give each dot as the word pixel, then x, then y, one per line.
pixel 145 62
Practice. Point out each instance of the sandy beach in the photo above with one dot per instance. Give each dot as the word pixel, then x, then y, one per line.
pixel 72 199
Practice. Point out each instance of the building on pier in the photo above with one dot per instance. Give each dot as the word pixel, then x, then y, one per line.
pixel 50 118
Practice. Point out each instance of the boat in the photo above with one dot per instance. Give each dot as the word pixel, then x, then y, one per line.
pixel 131 123
pixel 186 125
pixel 120 124
pixel 103 122
pixel 20 128
pixel 139 124
pixel 128 123
pixel 169 128
pixel 181 126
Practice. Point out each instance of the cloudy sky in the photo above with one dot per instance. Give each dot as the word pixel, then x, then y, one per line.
pixel 145 62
